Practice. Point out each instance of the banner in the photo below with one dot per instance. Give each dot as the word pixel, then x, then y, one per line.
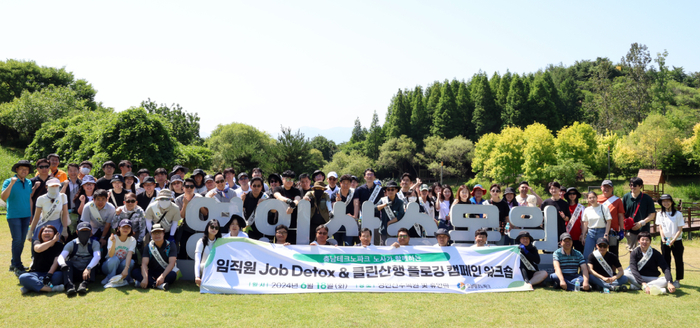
pixel 246 266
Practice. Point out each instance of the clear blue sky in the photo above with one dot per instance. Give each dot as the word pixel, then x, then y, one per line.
pixel 323 63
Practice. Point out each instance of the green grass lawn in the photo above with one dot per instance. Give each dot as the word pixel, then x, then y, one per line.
pixel 184 306
pixel 8 157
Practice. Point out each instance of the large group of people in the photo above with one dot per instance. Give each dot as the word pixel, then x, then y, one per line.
pixel 131 227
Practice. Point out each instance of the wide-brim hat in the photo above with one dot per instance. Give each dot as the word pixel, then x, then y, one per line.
pixel 274 176
pixel 23 162
pixel 175 177
pixel 179 167
pixel 483 191
pixel 664 197
pixel 524 234
pixel 319 185
pixel 509 190
pixel 317 172
pixel 573 190
pixel 199 172
pixel 164 194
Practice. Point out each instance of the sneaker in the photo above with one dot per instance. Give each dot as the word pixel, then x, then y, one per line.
pixel 622 289
pixel 57 288
pixel 82 289
pixel 23 290
pixel 163 286
pixel 70 291
pixel 106 279
pixel 677 284
pixel 19 272
pixel 137 283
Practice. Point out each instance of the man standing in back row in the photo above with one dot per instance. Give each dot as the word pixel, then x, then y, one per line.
pixel 617 212
pixel 640 207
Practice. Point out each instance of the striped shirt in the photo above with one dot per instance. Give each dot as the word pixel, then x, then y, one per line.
pixel 569 264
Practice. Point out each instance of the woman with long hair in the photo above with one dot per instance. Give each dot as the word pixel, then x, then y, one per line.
pixel 447 200
pixel 44 276
pixel 671 223
pixel 120 250
pixel 204 245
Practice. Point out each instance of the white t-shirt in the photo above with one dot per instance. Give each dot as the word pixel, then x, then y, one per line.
pixel 444 209
pixel 670 224
pixel 122 248
pixel 595 217
pixel 530 200
pixel 45 203
pixel 240 234
pixel 201 254
pixel 240 191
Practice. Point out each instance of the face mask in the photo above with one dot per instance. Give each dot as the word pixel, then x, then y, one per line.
pixel 163 203
pixel 412 199
pixel 318 194
pixel 85 170
pixel 52 192
pixel 84 236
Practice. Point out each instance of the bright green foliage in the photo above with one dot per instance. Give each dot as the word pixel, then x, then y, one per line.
pixel 397 154
pixel 184 125
pixel 506 159
pixel 327 147
pixel 399 123
pixel 539 152
pixel 655 144
pixel 486 116
pixel 577 143
pixel 565 171
pixel 315 160
pixel 193 156
pixel 482 153
pixel 420 120
pixel 242 147
pixel 23 116
pixel 354 163
pixel 603 144
pixel 455 154
pixel 465 110
pixel 516 103
pixel 691 146
pixel 375 139
pixel 446 121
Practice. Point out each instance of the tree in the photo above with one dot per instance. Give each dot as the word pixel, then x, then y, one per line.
pixel 541 103
pixel 399 122
pixel 432 98
pixel 637 82
pixel 691 146
pixel 23 116
pixel 397 154
pixel 420 120
pixel 655 144
pixel 446 120
pixel 184 125
pixel 20 76
pixel 577 143
pixel 502 91
pixel 660 89
pixel 325 146
pixel 375 139
pixel 354 163
pixel 494 85
pixel 506 159
pixel 358 133
pixel 455 155
pixel 465 110
pixel 571 101
pixel 242 147
pixel 516 104
pixel 486 116
pixel 539 152
pixel 482 154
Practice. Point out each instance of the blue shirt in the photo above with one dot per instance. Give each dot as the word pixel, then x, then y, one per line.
pixel 569 264
pixel 18 205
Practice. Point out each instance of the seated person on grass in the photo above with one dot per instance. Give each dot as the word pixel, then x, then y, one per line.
pixel 605 269
pixel 78 260
pixel 120 250
pixel 567 262
pixel 158 269
pixel 42 274
pixel 529 259
pixel 645 263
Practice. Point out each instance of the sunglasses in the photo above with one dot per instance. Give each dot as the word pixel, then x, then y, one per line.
pixel 281 232
pixel 322 233
pixel 189 186
pixel 220 181
pixel 43 167
pixel 130 201
pixel 257 186
pixel 603 246
pixel 495 191
pixel 214 227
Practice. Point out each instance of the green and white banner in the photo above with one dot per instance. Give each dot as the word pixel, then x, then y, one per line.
pixel 246 266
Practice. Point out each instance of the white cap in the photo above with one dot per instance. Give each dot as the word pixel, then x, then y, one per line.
pixel 333 174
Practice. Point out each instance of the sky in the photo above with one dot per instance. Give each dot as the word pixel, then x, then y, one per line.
pixel 321 64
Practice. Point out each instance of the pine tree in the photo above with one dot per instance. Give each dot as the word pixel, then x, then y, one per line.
pixel 432 98
pixel 446 121
pixel 358 133
pixel 486 117
pixel 420 121
pixel 570 98
pixel 541 105
pixel 516 103
pixel 399 122
pixel 375 138
pixel 503 88
pixel 465 110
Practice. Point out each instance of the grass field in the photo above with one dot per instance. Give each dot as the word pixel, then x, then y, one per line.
pixel 184 306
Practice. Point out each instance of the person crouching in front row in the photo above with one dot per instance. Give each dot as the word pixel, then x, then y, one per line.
pixel 158 269
pixel 567 262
